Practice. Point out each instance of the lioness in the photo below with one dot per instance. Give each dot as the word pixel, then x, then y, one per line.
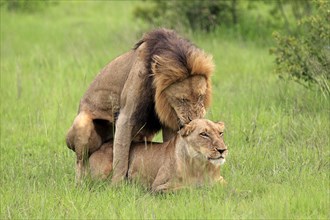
pixel 162 83
pixel 192 157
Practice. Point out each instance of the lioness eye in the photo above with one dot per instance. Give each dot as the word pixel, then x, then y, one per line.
pixel 221 134
pixel 204 134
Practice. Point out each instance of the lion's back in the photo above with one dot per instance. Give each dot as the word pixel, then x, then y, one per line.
pixel 102 98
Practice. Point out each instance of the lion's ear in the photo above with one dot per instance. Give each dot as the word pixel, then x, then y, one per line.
pixel 186 130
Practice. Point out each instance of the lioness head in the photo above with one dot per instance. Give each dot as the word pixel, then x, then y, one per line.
pixel 205 140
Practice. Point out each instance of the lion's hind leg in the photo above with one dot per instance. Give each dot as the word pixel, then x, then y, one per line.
pixel 82 138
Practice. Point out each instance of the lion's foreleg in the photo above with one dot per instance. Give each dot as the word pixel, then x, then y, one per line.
pixel 121 146
pixel 126 125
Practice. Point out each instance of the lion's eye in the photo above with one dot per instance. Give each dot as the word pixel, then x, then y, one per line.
pixel 204 134
pixel 221 134
pixel 183 100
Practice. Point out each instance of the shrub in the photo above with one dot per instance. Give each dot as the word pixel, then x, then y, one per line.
pixel 305 57
pixel 198 15
pixel 27 5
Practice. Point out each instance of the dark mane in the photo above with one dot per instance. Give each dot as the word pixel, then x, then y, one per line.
pixel 169 58
pixel 164 42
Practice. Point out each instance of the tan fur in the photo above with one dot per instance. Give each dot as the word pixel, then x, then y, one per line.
pixel 101 161
pixel 191 158
pixel 163 83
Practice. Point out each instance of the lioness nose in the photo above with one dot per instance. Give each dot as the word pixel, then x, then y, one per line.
pixel 221 150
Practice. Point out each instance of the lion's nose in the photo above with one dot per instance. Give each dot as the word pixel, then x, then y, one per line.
pixel 221 150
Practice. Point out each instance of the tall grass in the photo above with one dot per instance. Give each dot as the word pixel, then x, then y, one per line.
pixel 277 132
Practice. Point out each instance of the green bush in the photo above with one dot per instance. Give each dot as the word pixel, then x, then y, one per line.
pixel 198 15
pixel 305 57
pixel 247 20
pixel 27 5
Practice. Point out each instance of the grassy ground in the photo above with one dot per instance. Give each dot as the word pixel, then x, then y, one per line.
pixel 277 132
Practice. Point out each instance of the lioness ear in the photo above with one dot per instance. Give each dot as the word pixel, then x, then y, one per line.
pixel 221 125
pixel 186 130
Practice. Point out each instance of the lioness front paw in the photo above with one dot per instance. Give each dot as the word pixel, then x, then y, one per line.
pixel 221 181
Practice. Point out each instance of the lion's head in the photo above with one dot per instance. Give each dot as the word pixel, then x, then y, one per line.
pixel 181 78
pixel 205 140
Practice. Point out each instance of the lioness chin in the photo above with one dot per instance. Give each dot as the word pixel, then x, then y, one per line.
pixel 192 157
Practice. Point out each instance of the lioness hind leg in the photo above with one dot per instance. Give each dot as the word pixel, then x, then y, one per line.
pixel 100 162
pixel 82 138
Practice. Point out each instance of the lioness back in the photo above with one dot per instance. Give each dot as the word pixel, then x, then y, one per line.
pixel 147 158
pixel 144 162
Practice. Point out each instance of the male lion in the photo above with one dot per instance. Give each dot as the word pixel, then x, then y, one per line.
pixel 192 157
pixel 162 83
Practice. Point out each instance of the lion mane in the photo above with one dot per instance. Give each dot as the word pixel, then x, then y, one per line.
pixel 170 59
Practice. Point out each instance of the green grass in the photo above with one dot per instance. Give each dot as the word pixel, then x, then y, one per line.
pixel 277 131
